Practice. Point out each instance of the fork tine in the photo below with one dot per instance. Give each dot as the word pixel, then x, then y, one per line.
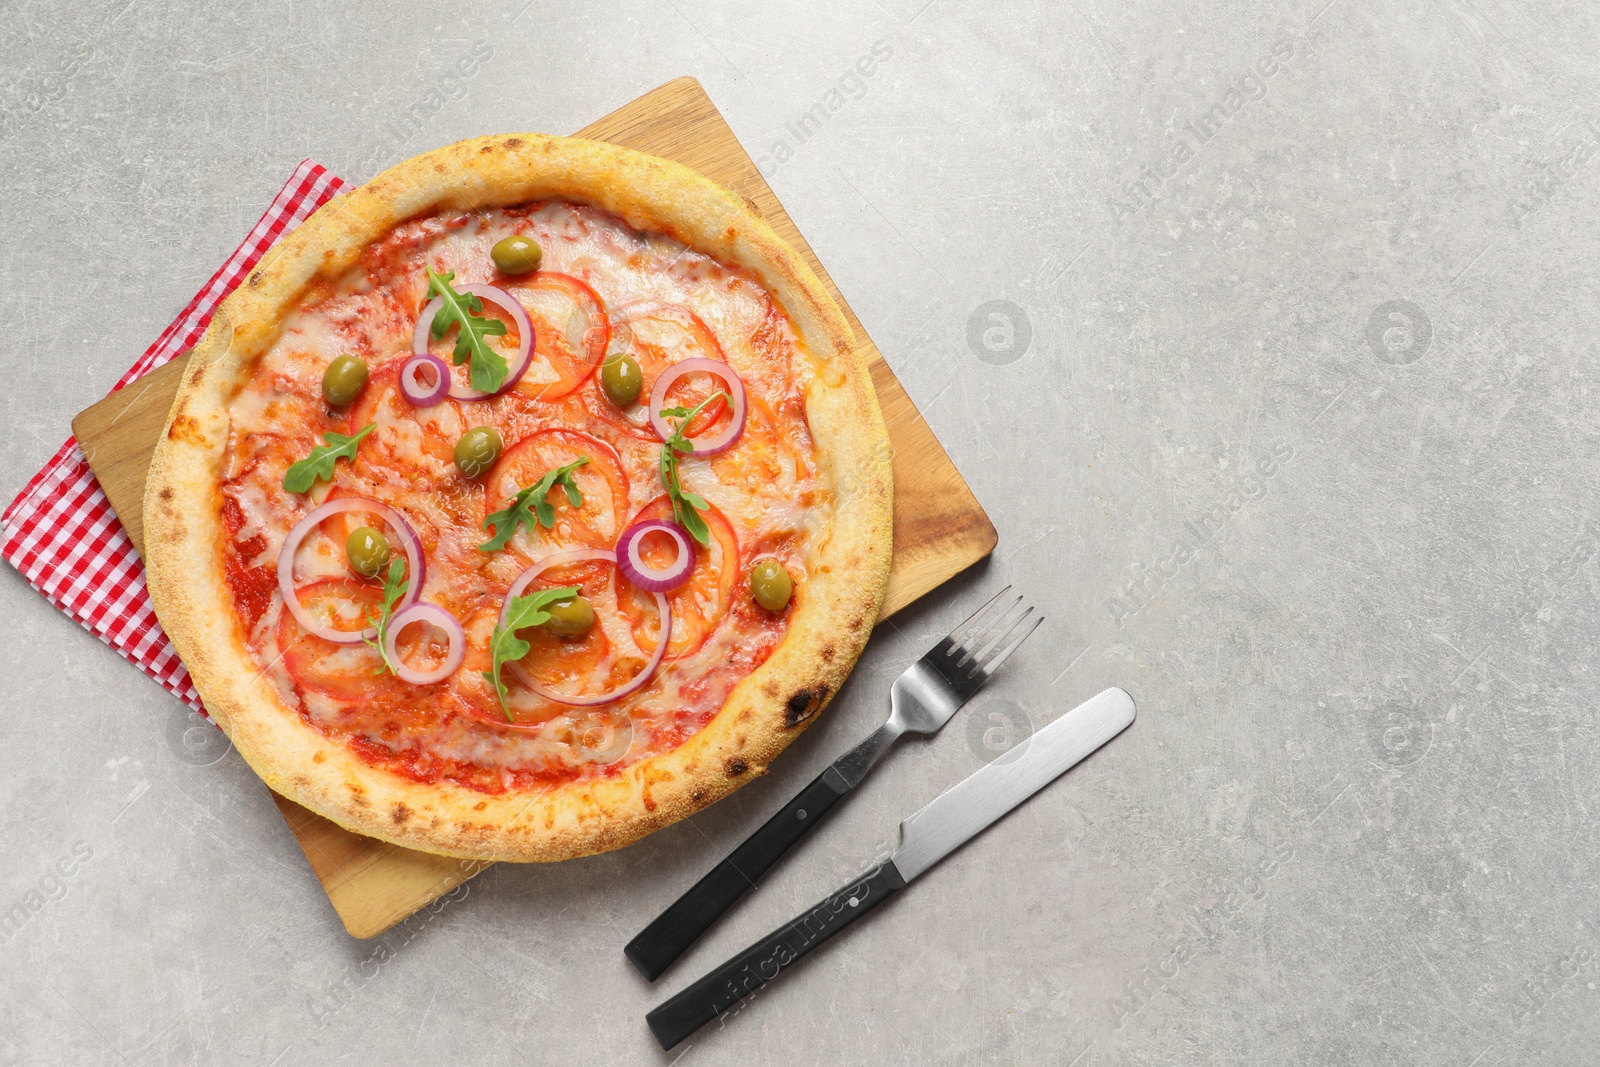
pixel 995 611
pixel 960 631
pixel 961 652
pixel 994 664
pixel 993 638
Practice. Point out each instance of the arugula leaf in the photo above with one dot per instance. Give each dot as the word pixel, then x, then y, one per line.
pixel 686 506
pixel 530 505
pixel 394 587
pixel 318 466
pixel 489 368
pixel 525 611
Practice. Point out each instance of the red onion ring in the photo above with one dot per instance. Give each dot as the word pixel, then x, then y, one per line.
pixel 314 518
pixel 640 573
pixel 638 681
pixel 424 611
pixel 412 387
pixel 501 299
pixel 658 398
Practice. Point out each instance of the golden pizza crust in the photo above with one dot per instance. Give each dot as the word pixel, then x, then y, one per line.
pixel 847 568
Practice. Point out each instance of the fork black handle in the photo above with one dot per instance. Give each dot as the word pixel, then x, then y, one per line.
pixel 691 915
pixel 741 976
pixel 963 662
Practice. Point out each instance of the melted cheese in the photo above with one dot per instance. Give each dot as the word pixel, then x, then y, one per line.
pixel 766 487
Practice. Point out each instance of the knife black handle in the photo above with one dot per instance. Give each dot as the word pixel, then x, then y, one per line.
pixel 674 930
pixel 744 974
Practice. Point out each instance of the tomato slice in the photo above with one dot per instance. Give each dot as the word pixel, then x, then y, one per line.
pixel 335 530
pixel 698 604
pixel 581 665
pixel 505 344
pixel 343 672
pixel 756 459
pixel 658 334
pixel 563 663
pixel 418 444
pixel 601 481
pixel 571 332
pixel 338 528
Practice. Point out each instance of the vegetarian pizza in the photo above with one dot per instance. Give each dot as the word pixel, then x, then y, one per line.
pixel 522 501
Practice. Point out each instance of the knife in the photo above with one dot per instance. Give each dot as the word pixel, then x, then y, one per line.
pixel 932 833
pixel 921 701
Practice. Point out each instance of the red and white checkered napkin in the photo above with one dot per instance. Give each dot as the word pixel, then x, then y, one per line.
pixel 61 533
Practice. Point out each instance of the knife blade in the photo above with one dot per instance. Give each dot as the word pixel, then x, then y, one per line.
pixel 939 828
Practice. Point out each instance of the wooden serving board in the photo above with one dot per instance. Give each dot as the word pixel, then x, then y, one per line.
pixel 939 527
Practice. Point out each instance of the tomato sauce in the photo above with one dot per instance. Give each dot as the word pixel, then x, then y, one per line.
pixel 601 284
pixel 252 586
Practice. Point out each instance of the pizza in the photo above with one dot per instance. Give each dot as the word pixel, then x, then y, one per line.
pixel 523 501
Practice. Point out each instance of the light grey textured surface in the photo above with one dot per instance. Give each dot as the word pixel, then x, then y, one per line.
pixel 1354 822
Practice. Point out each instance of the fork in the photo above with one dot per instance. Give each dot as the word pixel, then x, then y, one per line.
pixel 921 700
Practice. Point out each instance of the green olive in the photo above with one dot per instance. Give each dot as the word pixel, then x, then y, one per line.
pixel 621 378
pixel 516 255
pixel 571 617
pixel 771 585
pixel 368 551
pixel 477 450
pixel 342 381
